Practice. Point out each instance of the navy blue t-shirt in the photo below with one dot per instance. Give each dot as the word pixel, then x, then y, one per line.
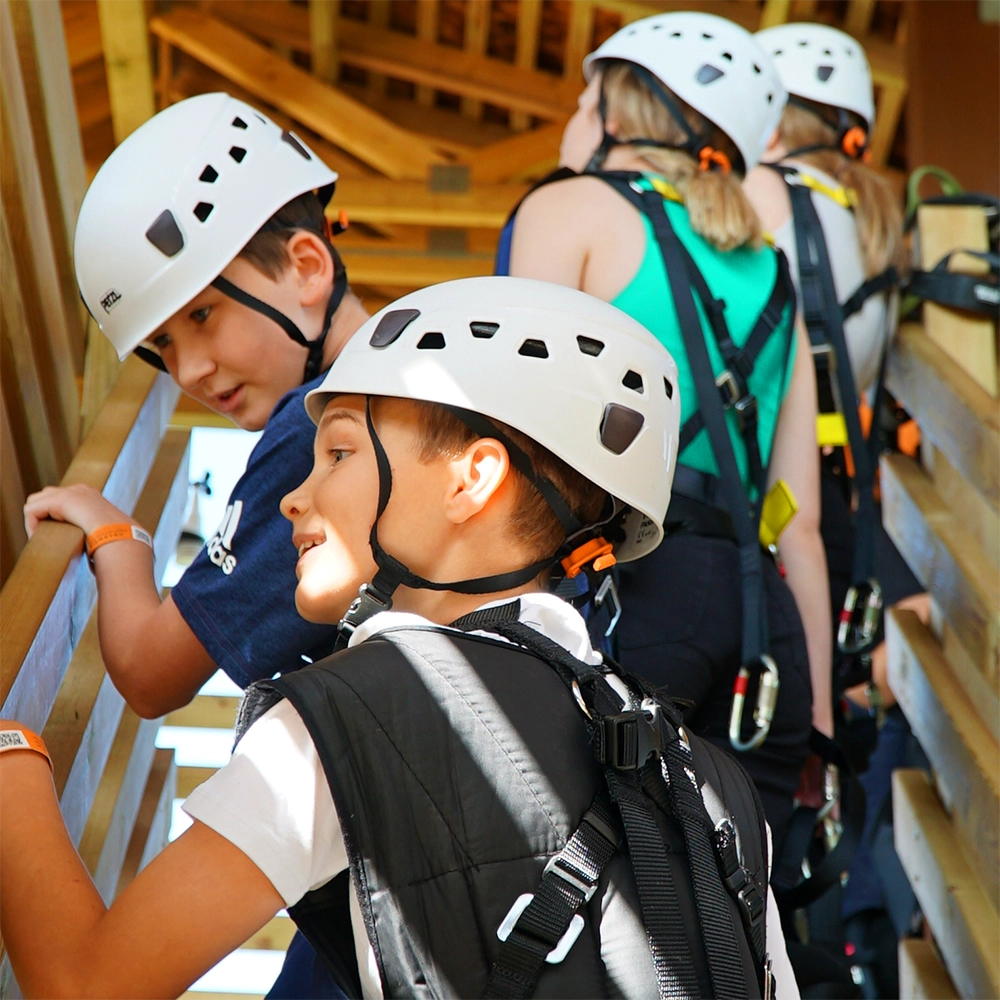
pixel 238 596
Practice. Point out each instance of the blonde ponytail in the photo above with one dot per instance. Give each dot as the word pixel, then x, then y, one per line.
pixel 718 209
pixel 878 214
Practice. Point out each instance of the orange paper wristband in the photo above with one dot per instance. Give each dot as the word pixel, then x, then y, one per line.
pixel 116 533
pixel 14 736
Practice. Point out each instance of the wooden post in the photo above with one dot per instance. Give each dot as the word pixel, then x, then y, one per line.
pixel 323 16
pixel 44 63
pixel 970 340
pixel 579 34
pixel 126 63
pixel 378 17
pixel 529 23
pixel 427 31
pixel 477 30
pixel 100 370
pixel 859 16
pixel 774 12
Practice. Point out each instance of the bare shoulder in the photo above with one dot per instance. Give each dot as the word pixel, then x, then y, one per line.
pixel 567 196
pixel 769 197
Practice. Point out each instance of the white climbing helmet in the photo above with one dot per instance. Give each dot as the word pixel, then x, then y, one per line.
pixel 712 64
pixel 571 372
pixel 175 203
pixel 821 64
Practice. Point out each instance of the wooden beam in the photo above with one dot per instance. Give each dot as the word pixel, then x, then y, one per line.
pixel 413 270
pixel 477 30
pixel 323 18
pixel 922 975
pixel 952 408
pixel 969 339
pixel 126 62
pixel 189 778
pixel 945 559
pixel 13 493
pixel 970 508
pixel 529 27
pixel 378 18
pixel 47 598
pixel 964 754
pixel 579 35
pixel 377 200
pixel 83 33
pixel 743 13
pixel 275 935
pixel 206 711
pixel 522 157
pixel 152 823
pixel 774 12
pixel 950 893
pixel 427 31
pixel 337 118
pixel 50 316
pixel 859 17
pixel 48 86
pixel 100 370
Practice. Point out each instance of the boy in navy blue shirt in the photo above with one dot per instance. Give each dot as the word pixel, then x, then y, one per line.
pixel 202 245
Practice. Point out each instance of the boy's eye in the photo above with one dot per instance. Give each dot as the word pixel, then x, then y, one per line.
pixel 161 342
pixel 200 315
pixel 337 455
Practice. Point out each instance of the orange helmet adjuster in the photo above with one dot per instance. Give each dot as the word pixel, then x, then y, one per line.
pixel 711 159
pixel 854 142
pixel 598 550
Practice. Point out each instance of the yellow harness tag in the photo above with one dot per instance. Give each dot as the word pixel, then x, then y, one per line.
pixel 665 189
pixel 777 510
pixel 831 430
pixel 844 196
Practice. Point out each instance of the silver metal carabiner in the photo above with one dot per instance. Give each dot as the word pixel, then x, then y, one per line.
pixel 767 697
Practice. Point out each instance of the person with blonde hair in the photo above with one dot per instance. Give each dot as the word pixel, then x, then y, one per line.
pixel 677 108
pixel 840 225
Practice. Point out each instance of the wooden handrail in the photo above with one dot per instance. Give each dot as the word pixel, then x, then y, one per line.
pixel 47 599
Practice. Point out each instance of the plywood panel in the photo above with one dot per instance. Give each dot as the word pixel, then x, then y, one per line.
pixel 922 975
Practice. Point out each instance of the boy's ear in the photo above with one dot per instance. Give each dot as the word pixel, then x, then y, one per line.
pixel 312 266
pixel 477 474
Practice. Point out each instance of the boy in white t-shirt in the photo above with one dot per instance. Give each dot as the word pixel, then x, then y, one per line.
pixel 468 758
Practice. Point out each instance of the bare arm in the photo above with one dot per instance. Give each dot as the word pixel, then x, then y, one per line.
pixel 543 246
pixel 151 654
pixel 196 902
pixel 795 459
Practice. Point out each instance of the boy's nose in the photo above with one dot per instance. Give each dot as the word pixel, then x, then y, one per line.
pixel 193 367
pixel 294 504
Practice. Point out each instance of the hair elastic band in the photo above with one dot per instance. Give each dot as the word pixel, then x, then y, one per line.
pixel 14 736
pixel 714 159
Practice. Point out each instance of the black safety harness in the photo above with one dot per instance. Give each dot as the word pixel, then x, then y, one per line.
pixel 647 762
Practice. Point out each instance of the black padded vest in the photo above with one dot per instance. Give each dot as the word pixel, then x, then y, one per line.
pixel 458 766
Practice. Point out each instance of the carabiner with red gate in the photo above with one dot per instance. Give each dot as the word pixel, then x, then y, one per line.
pixel 860 618
pixel 767 697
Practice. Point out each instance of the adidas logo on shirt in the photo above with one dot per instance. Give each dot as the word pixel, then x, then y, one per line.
pixel 220 547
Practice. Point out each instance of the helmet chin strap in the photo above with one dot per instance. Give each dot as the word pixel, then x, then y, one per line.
pixel 694 145
pixel 314 360
pixel 377 596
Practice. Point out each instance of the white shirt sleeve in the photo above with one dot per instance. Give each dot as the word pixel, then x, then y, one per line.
pixel 785 985
pixel 273 802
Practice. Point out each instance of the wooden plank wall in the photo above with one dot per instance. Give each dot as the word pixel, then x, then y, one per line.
pixel 942 514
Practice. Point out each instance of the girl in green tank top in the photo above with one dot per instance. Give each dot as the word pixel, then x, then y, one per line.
pixel 681 617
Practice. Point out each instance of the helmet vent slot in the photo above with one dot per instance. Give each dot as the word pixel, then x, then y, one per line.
pixel 165 234
pixel 675 34
pixel 728 56
pixel 239 122
pixel 431 342
pixel 293 141
pixel 590 346
pixel 824 73
pixel 237 153
pixel 756 69
pixel 391 325
pixel 668 386
pixel 203 210
pixel 707 36
pixel 533 349
pixel 619 427
pixel 633 381
pixel 708 74
pixel 483 330
pixel 209 175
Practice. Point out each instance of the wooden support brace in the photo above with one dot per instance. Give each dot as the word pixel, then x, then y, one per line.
pixel 413 270
pixel 964 753
pixel 189 778
pixel 206 711
pixel 922 975
pixel 946 560
pixel 275 935
pixel 529 26
pixel 968 339
pixel 323 18
pixel 950 893
pixel 526 156
pixel 579 34
pixel 331 114
pixel 477 30
pixel 427 31
pixel 126 62
pixel 953 410
pixel 378 18
pixel 47 598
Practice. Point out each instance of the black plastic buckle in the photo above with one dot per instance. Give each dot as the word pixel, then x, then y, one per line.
pixel 738 881
pixel 630 737
pixel 729 389
pixel 368 602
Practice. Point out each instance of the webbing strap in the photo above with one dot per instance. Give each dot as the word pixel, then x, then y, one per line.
pixel 570 879
pixel 824 323
pixel 744 514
